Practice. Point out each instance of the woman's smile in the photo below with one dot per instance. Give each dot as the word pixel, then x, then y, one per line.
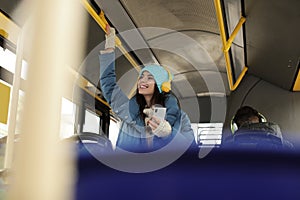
pixel 146 83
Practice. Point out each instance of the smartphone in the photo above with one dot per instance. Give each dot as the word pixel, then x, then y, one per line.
pixel 160 112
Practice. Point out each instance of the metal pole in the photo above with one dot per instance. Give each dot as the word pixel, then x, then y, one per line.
pixel 13 107
pixel 44 167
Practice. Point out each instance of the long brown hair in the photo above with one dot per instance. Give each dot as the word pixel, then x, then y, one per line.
pixel 157 98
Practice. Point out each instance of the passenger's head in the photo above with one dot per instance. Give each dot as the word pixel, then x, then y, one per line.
pixel 154 83
pixel 247 115
pixel 154 74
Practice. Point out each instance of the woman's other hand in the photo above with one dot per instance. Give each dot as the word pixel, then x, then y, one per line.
pixel 160 128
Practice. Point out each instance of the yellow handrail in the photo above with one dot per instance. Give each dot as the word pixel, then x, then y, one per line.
pixel 8 29
pixel 102 22
pixel 227 45
pixel 297 83
pixel 3 33
pixel 83 83
pixel 234 33
pixel 242 74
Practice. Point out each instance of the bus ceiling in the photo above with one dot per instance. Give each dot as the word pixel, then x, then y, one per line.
pixel 253 25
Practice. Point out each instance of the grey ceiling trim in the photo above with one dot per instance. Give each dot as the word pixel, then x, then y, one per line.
pixel 183 30
pixel 210 94
pixel 199 71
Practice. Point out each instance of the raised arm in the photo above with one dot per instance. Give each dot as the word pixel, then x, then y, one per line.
pixel 107 75
pixel 113 94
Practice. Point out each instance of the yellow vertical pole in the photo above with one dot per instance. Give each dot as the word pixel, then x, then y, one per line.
pixel 224 39
pixel 227 44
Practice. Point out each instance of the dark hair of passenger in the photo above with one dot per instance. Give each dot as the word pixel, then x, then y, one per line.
pixel 245 114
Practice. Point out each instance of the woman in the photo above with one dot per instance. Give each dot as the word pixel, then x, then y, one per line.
pixel 141 131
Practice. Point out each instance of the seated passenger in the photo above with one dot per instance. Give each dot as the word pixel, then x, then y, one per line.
pixel 251 130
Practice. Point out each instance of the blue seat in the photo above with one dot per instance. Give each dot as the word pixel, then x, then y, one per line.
pixel 258 136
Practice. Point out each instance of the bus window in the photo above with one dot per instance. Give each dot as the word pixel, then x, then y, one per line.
pixel 208 134
pixel 92 122
pixel 8 61
pixel 113 132
pixel 68 111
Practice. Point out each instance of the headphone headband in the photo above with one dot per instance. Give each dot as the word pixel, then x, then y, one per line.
pixel 244 114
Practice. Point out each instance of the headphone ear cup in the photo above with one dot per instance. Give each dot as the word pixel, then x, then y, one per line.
pixel 233 127
pixel 262 118
pixel 166 86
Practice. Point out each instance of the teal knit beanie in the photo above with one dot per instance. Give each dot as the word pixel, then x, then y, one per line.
pixel 159 73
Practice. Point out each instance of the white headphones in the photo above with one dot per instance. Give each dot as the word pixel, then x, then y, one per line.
pixel 233 124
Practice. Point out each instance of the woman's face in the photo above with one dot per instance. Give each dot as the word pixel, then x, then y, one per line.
pixel 146 84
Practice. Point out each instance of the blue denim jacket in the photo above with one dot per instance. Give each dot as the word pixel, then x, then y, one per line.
pixel 132 136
